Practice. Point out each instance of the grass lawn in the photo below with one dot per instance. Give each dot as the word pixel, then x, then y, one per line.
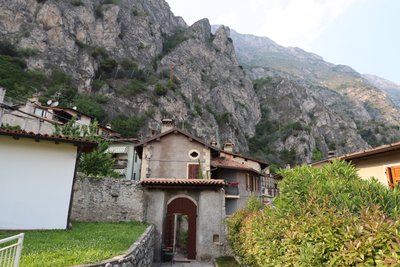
pixel 227 261
pixel 85 243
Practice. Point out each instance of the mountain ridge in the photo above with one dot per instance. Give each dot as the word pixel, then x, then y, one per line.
pixel 133 62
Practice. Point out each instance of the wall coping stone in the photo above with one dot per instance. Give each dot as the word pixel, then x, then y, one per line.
pixel 128 256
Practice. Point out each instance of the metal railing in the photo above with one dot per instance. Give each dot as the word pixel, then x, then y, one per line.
pixel 11 253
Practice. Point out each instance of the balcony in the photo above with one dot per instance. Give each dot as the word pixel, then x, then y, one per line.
pixel 269 192
pixel 232 190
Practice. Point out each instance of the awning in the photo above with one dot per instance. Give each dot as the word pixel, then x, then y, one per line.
pixel 117 149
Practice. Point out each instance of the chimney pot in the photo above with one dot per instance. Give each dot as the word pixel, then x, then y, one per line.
pixel 167 124
pixel 331 153
pixel 228 147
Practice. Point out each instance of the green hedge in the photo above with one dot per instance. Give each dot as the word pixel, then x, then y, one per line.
pixel 323 217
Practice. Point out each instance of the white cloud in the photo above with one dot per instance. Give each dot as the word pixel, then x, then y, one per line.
pixel 288 22
pixel 300 22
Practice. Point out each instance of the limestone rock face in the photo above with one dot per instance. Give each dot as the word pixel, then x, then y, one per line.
pixel 65 32
pixel 213 97
pixel 163 68
pixel 210 77
pixel 340 109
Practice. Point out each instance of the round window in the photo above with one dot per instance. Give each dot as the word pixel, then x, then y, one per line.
pixel 194 154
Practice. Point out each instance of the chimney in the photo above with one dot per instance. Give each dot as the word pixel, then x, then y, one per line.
pixel 214 143
pixel 228 147
pixel 34 99
pixel 151 132
pixel 331 153
pixel 167 124
pixel 2 94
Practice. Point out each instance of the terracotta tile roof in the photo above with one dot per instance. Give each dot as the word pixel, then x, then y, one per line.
pixel 55 138
pixel 181 181
pixel 231 164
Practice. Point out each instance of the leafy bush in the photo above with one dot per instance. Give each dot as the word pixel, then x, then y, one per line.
pixel 97 84
pixel 77 2
pixel 96 164
pixel 160 90
pixel 317 155
pixel 173 41
pixel 86 104
pixel 8 49
pixel 28 52
pixel 98 12
pixel 323 217
pixel 128 127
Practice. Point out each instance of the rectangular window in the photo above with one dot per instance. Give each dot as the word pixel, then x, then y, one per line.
pixel 193 171
pixel 40 112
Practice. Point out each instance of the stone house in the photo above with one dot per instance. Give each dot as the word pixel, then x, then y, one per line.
pixel 382 163
pixel 36 179
pixel 190 186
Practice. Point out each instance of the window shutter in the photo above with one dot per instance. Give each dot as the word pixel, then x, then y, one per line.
pixel 193 171
pixel 395 175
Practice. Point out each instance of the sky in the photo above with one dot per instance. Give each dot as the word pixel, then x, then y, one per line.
pixel 364 34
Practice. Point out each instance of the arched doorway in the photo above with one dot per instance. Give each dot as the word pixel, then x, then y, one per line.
pixel 180 226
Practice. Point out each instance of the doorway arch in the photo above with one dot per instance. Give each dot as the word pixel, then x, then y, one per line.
pixel 183 206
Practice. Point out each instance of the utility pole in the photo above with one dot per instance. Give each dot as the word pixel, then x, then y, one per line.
pixel 2 94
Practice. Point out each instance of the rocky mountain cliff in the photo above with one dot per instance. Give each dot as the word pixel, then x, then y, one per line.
pixel 391 88
pixel 132 63
pixel 140 61
pixel 334 107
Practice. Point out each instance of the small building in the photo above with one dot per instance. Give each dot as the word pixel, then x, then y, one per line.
pixel 381 162
pixel 32 116
pixel 36 178
pixel 190 187
pixel 127 162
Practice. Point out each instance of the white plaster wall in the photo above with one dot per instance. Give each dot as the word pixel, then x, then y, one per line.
pixel 35 183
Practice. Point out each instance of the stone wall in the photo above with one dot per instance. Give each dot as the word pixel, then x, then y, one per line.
pixel 108 199
pixel 141 253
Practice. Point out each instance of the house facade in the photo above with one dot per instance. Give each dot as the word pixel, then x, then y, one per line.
pixel 36 178
pixel 34 117
pixel 127 162
pixel 190 187
pixel 382 163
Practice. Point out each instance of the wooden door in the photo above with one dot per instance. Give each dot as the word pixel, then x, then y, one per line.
pixel 193 171
pixel 182 206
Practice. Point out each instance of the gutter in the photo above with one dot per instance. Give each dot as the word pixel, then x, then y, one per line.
pixel 71 198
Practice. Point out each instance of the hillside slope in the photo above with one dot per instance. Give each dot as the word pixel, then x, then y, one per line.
pixel 341 110
pixel 132 63
pixel 140 61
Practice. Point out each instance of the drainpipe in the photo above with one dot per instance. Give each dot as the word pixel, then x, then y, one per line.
pixel 71 198
pixel 2 94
